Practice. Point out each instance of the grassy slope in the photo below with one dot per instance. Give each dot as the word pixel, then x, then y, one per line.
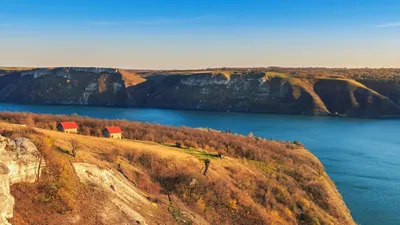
pixel 350 97
pixel 131 78
pixel 344 95
pixel 16 68
pixel 299 86
pixel 235 191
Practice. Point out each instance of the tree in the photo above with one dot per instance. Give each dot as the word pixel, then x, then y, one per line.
pixel 30 122
pixel 39 169
pixel 207 163
pixel 86 131
pixel 74 147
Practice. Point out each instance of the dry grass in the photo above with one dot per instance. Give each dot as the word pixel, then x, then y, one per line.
pixel 226 74
pixel 16 68
pixel 131 78
pixel 277 184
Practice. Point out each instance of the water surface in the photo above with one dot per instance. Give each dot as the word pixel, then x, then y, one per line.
pixel 362 156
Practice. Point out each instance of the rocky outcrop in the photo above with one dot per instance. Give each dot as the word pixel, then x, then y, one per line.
pixel 36 73
pixel 124 196
pixel 92 70
pixel 6 200
pixel 64 86
pixel 20 161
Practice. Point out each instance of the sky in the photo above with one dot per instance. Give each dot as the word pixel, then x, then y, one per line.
pixel 195 34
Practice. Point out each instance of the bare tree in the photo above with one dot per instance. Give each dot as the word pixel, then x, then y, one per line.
pixel 30 122
pixel 207 164
pixel 39 168
pixel 74 147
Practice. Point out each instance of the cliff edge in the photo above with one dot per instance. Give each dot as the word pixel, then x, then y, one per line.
pixel 227 91
pixel 20 161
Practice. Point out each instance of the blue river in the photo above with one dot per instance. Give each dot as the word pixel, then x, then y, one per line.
pixel 362 156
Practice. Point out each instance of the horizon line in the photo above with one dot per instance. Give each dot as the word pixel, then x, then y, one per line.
pixel 195 69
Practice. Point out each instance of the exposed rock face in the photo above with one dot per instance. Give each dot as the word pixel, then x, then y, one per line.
pixel 261 93
pixel 238 92
pixel 20 161
pixel 36 73
pixel 6 200
pixel 92 70
pixel 65 86
pixel 124 197
pixel 257 93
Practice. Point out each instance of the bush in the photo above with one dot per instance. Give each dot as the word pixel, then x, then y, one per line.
pixel 145 160
pixel 112 156
pixel 298 143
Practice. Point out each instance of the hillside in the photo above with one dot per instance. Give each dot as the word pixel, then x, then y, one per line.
pixel 67 86
pixel 160 182
pixel 272 90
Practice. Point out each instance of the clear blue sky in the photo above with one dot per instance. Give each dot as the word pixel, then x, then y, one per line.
pixel 200 33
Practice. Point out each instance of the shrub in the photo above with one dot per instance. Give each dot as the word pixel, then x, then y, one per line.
pixel 145 160
pixel 298 143
pixel 112 156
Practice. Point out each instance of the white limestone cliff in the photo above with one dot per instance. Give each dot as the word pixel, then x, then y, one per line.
pixel 20 161
pixel 93 70
pixel 124 196
pixel 36 72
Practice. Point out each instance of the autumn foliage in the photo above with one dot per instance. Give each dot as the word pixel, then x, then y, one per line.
pixel 258 182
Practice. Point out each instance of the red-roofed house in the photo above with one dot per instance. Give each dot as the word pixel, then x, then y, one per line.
pixel 112 132
pixel 68 127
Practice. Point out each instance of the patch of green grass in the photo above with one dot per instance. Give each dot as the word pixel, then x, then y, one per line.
pixel 200 154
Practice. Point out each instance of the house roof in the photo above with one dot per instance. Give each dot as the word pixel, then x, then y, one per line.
pixel 69 125
pixel 114 130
